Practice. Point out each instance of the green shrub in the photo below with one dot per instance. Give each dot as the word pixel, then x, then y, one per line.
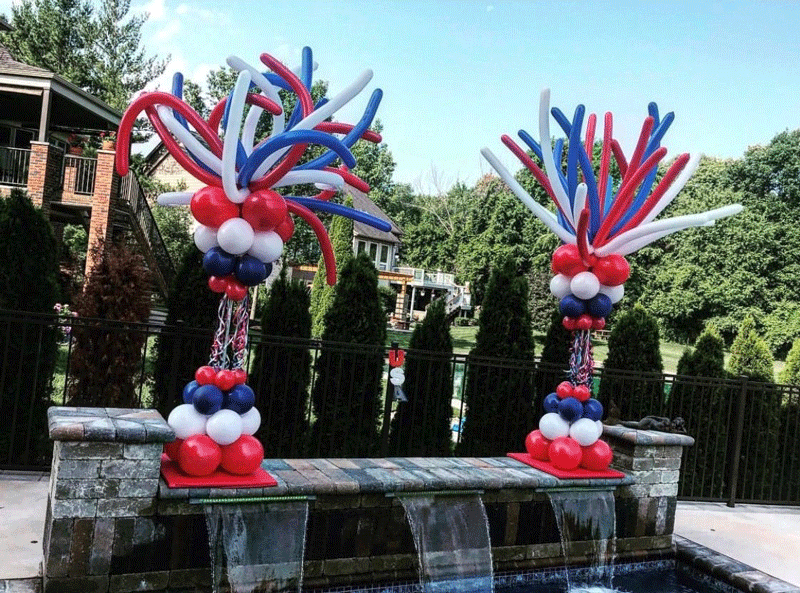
pixel 554 362
pixel 790 374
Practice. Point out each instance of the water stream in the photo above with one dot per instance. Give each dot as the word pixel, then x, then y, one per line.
pixel 451 534
pixel 587 525
pixel 257 546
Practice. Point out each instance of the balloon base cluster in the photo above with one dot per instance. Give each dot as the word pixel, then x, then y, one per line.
pixel 175 478
pixel 577 473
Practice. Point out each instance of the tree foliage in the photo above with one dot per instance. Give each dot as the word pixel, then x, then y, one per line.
pixel 790 374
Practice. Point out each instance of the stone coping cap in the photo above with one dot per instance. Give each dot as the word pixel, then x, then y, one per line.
pixel 118 425
pixel 312 477
pixel 648 437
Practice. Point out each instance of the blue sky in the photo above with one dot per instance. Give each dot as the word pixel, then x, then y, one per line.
pixel 458 74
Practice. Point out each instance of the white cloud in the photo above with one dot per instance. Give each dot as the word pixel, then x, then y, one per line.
pixel 168 31
pixel 182 9
pixel 156 9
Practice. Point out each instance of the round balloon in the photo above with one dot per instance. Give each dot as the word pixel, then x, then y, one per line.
pixel 570 305
pixel 599 306
pixel 570 409
pixel 565 453
pixel 211 207
pixel 599 424
pixel 559 285
pixel 584 285
pixel 217 284
pixel 564 389
pixel 267 246
pixel 592 409
pixel 550 403
pixel 186 421
pixel 612 270
pixel 285 229
pixel 264 210
pixel 584 431
pixel 240 399
pixel 224 427
pixel 614 293
pixel 567 260
pixel 251 420
pixel 537 446
pixel 205 375
pixel 199 456
pixel 208 399
pixel 217 262
pixel 235 236
pixel 582 393
pixel 584 322
pixel 205 237
pixel 173 449
pixel 251 270
pixel 597 456
pixel 188 392
pixel 235 291
pixel 225 379
pixel 552 426
pixel 243 456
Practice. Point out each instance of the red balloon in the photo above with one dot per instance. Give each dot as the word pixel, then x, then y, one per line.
pixel 264 209
pixel 564 389
pixel 243 456
pixel 567 260
pixel 537 445
pixel 285 229
pixel 205 375
pixel 569 323
pixel 172 449
pixel 565 453
pixel 217 283
pixel 598 322
pixel 584 322
pixel 597 456
pixel 225 379
pixel 199 455
pixel 612 270
pixel 581 393
pixel 241 376
pixel 235 290
pixel 211 207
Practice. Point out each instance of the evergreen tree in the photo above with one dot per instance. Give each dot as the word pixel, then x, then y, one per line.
pixel 633 345
pixel 790 375
pixel 554 363
pixel 750 356
pixel 500 400
pixel 281 371
pixel 185 343
pixel 347 392
pixel 106 362
pixel 28 282
pixel 421 426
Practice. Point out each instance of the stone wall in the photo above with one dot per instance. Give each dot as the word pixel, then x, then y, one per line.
pixel 114 526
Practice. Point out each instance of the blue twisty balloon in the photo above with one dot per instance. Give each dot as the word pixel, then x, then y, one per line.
pixel 188 392
pixel 572 306
pixel 551 403
pixel 570 409
pixel 240 399
pixel 592 409
pixel 218 262
pixel 208 399
pixel 251 270
pixel 599 306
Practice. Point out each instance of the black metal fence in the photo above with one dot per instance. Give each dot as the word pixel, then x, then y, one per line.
pixel 14 166
pixel 747 433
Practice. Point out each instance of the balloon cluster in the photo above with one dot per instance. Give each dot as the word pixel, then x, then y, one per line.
pixel 598 227
pixel 243 223
pixel 397 376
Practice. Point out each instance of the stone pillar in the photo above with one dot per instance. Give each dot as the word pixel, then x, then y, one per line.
pixel 103 496
pixel 106 189
pixel 646 508
pixel 44 174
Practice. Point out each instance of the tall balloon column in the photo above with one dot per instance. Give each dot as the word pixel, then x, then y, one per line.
pixel 599 220
pixel 243 223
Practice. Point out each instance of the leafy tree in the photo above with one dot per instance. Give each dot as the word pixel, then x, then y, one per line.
pixel 347 392
pixel 185 343
pixel 281 372
pixel 633 345
pixel 421 425
pixel 104 363
pixel 28 282
pixel 790 375
pixel 500 400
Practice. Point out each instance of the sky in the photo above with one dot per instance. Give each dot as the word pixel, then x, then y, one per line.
pixel 457 74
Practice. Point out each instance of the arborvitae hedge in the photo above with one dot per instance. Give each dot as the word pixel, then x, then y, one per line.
pixel 281 371
pixel 633 345
pixel 347 394
pixel 105 365
pixel 192 310
pixel 554 367
pixel 500 400
pixel 790 374
pixel 421 426
pixel 28 282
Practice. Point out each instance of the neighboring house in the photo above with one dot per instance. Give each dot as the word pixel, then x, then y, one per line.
pixel 40 113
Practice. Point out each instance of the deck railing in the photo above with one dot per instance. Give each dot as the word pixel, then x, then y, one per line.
pixel 14 166
pixel 78 175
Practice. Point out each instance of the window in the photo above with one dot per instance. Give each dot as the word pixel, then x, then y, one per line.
pixel 384 263
pixel 23 138
pixel 5 136
pixel 362 246
pixel 373 252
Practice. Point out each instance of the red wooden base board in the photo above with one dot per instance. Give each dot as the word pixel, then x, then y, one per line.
pixel 175 478
pixel 578 472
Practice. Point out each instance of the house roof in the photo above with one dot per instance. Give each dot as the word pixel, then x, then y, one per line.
pixel 363 203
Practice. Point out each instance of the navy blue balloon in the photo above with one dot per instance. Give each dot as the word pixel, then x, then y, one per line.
pixel 551 403
pixel 240 399
pixel 188 392
pixel 592 409
pixel 217 262
pixel 251 270
pixel 570 409
pixel 599 306
pixel 572 306
pixel 208 399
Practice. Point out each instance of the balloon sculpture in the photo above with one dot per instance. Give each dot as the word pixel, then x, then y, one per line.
pixel 600 220
pixel 243 224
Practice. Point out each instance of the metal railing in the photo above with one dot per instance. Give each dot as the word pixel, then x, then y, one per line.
pixel 14 166
pixel 747 434
pixel 78 174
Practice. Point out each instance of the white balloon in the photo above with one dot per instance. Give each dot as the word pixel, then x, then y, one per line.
pixel 615 293
pixel 397 373
pixel 186 421
pixel 205 237
pixel 267 246
pixel 559 286
pixel 224 427
pixel 230 144
pixel 251 420
pixel 584 431
pixel 235 236
pixel 397 380
pixel 599 424
pixel 584 285
pixel 553 426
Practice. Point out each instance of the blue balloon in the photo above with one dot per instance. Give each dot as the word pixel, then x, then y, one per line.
pixel 572 306
pixel 208 399
pixel 240 399
pixel 251 270
pixel 570 409
pixel 551 403
pixel 217 262
pixel 188 392
pixel 592 409
pixel 599 306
